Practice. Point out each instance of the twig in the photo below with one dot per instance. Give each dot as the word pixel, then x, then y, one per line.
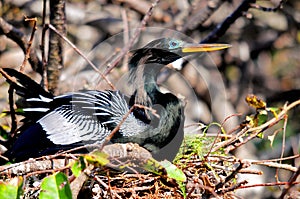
pixel 47 171
pixel 280 159
pixel 133 39
pixel 201 16
pixel 134 189
pixel 126 35
pixel 142 6
pixel 29 167
pixel 55 51
pixel 49 157
pixel 82 55
pixel 221 29
pixel 108 188
pixel 11 103
pixel 115 130
pixel 283 144
pixel 291 182
pixel 228 178
pixel 254 131
pixel 270 123
pixel 266 185
pixel 229 117
pixel 276 165
pixel 234 187
pixel 219 132
pixel 42 47
pixel 28 49
pixel 270 163
pixel 12 111
pixel 231 140
pixel 4 158
pixel 18 36
pixel 210 189
pixel 248 171
pixel 68 151
pixel 218 135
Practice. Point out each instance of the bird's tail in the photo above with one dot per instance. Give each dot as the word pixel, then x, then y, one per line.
pixel 36 99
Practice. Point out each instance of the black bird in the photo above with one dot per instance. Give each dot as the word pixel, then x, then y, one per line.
pixel 54 123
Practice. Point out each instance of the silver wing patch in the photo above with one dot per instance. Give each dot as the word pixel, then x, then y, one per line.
pixel 66 126
pixel 78 121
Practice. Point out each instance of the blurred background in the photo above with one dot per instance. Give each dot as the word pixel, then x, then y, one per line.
pixel 264 58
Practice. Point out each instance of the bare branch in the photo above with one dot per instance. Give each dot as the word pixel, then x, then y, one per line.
pixel 221 29
pixel 202 15
pixel 133 39
pixel 28 49
pixel 17 36
pixel 55 55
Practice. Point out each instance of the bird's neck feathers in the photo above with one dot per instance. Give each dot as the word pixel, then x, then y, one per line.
pixel 143 80
pixel 169 121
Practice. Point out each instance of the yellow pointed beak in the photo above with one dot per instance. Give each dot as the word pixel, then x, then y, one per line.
pixel 191 48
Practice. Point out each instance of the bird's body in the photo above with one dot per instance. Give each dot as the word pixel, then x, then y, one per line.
pixel 54 123
pixel 86 117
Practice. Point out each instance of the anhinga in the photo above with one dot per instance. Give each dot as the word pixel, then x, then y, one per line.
pixel 54 123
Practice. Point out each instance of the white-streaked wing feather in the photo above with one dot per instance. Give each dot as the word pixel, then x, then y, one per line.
pixel 131 126
pixel 66 129
pixel 78 121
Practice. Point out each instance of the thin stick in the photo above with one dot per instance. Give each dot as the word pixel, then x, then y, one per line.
pixel 12 111
pixel 266 185
pixel 126 34
pixel 27 54
pixel 254 131
pixel 42 47
pixel 133 39
pixel 280 159
pixel 270 123
pixel 108 188
pixel 283 145
pixel 221 29
pixel 11 103
pixel 219 132
pixel 83 56
pixel 115 130
pixel 231 176
pixel 291 183
pixel 19 38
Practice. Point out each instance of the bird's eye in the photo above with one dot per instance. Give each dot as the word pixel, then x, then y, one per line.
pixel 173 44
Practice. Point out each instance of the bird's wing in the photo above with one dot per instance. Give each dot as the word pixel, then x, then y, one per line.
pixel 89 117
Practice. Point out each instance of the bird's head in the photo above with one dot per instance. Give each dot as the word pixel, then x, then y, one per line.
pixel 166 50
pixel 147 61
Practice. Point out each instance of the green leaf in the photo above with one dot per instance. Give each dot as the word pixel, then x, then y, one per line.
pixel 97 157
pixel 55 186
pixel 78 166
pixel 167 170
pixel 3 114
pixel 173 172
pixel 262 117
pixel 153 166
pixel 19 110
pixel 176 174
pixel 13 189
pixel 274 111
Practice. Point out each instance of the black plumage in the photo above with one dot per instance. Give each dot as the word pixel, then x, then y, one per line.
pixel 54 123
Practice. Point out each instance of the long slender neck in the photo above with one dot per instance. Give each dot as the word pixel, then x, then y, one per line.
pixel 143 78
pixel 147 93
